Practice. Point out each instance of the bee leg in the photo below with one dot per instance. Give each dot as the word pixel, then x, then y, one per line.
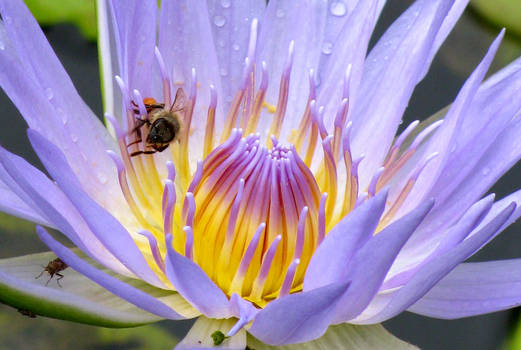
pixel 133 154
pixel 59 278
pixel 40 275
pixel 49 280
pixel 137 141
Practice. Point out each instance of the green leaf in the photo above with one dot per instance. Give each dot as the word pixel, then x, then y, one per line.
pixel 24 333
pixel 77 298
pixel 82 13
pixel 503 13
pixel 346 337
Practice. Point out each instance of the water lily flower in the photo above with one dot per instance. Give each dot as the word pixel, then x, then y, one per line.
pixel 250 174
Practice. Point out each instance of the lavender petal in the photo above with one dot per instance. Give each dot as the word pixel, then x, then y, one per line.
pixel 299 317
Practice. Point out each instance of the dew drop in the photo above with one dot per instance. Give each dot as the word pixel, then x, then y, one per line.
pixel 74 138
pixel 280 13
pixel 102 178
pixel 226 3
pixel 223 71
pixel 338 8
pixel 221 43
pixel 327 47
pixel 2 45
pixel 236 47
pixel 219 21
pixel 485 171
pixel 49 93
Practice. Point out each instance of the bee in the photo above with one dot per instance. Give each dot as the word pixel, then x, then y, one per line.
pixel 164 125
pixel 54 267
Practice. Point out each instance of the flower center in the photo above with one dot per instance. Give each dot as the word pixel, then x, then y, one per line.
pixel 252 213
pixel 257 211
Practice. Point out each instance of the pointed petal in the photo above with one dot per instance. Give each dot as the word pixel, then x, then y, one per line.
pixel 344 336
pixel 381 251
pixel 390 74
pixel 112 284
pixel 446 136
pixel 38 85
pixel 299 317
pixel 329 261
pixel 108 61
pixel 194 285
pixel 135 22
pixel 473 289
pixel 35 188
pixel 232 38
pixel 200 336
pixel 281 24
pixel 78 299
pixel 12 204
pixel 186 42
pixel 431 273
pixel 350 45
pixel 118 242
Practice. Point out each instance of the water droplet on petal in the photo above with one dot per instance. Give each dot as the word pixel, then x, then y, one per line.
pixel 338 8
pixel 327 47
pixel 102 178
pixel 236 47
pixel 49 93
pixel 74 138
pixel 221 43
pixel 219 21
pixel 280 13
pixel 2 45
pixel 226 3
pixel 485 171
pixel 223 71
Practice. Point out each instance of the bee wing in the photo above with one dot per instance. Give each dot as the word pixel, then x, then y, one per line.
pixel 180 101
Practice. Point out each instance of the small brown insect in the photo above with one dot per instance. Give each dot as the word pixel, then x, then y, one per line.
pixel 27 313
pixel 164 125
pixel 54 267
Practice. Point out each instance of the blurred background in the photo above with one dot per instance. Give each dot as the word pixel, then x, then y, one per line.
pixel 70 28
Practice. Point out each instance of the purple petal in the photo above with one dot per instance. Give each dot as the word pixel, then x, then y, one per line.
pixel 381 251
pixel 446 27
pixel 349 46
pixel 105 227
pixel 473 289
pixel 194 285
pixel 281 24
pixel 186 42
pixel 34 79
pixel 14 204
pixel 391 72
pixel 231 39
pixel 298 317
pixel 112 284
pixel 427 276
pixel 329 261
pixel 445 139
pixel 34 187
pixel 418 252
pixel 136 44
pixel 243 310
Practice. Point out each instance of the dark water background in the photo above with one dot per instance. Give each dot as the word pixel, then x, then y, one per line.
pixel 459 55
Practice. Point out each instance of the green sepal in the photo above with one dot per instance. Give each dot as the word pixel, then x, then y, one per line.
pixel 76 299
pixel 344 337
